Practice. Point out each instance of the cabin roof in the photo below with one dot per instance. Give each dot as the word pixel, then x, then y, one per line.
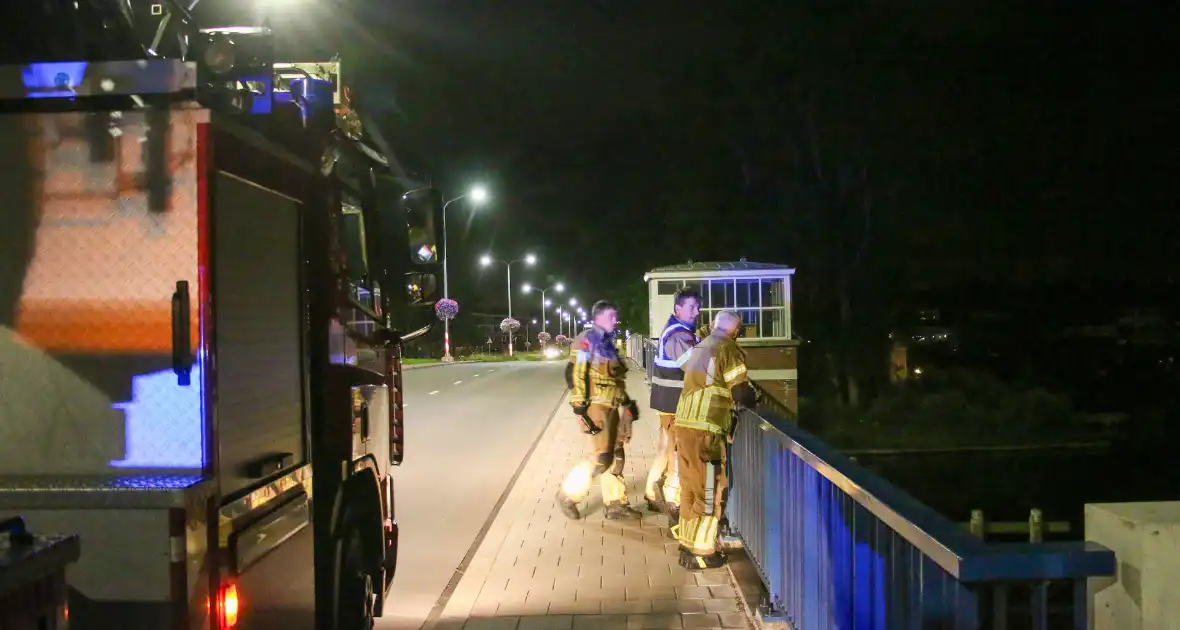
pixel 738 265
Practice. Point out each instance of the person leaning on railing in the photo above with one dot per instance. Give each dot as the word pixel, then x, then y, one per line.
pixel 715 379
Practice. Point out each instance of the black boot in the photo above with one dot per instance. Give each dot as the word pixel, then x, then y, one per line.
pixel 693 562
pixel 621 512
pixel 657 503
pixel 568 507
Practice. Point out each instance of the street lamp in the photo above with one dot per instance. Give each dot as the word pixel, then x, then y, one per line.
pixel 478 195
pixel 557 288
pixel 486 260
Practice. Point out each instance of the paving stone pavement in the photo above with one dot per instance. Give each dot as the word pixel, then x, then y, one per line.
pixel 537 570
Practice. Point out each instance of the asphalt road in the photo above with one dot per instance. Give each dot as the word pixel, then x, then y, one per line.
pixel 468 428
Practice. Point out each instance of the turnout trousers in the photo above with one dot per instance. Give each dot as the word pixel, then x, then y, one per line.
pixel 606 459
pixel 663 480
pixel 703 488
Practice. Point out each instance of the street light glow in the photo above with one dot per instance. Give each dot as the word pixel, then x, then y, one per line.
pixel 485 260
pixel 526 288
pixel 559 287
pixel 478 194
pixel 548 302
pixel 530 260
pixel 573 301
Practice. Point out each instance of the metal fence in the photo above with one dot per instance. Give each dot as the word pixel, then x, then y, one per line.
pixel 841 548
pixel 642 350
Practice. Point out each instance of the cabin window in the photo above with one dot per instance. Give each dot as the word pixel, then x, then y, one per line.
pixel 668 287
pixel 762 303
pixel 354 251
pixel 721 294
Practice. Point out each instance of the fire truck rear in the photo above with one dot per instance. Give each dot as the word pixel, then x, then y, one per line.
pixel 207 270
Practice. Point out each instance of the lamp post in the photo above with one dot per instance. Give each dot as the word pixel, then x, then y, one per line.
pixel 529 260
pixel 557 288
pixel 571 315
pixel 478 195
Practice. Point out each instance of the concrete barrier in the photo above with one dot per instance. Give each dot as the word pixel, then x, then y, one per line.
pixel 1145 592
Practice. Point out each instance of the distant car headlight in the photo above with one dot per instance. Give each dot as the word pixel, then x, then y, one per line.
pixel 552 353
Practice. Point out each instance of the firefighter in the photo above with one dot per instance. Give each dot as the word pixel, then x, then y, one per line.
pixel 596 376
pixel 663 485
pixel 715 379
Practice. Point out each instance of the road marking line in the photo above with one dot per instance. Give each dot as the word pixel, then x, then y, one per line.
pixel 458 382
pixel 433 393
pixel 474 375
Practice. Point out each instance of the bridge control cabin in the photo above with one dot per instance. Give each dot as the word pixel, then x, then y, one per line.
pixel 761 293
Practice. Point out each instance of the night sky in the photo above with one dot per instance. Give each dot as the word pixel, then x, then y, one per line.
pixel 1004 140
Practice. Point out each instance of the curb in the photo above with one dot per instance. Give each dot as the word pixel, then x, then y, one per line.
pixel 750 590
pixel 423 366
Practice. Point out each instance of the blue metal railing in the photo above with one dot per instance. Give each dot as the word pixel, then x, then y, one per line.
pixel 841 548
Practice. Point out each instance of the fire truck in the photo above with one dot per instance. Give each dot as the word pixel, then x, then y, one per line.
pixel 209 262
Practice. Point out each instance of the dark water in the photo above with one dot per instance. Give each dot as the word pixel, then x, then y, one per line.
pixel 1007 485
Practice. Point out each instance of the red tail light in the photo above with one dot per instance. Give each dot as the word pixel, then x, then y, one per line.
pixel 228 606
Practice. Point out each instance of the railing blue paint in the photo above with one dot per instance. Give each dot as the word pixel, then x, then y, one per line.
pixel 841 548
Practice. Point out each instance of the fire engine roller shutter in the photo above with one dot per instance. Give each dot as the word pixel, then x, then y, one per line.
pixel 258 310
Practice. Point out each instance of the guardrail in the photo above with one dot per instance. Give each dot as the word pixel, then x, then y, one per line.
pixel 839 547
pixel 642 350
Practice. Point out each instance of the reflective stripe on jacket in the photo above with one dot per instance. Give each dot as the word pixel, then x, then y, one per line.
pixel 599 374
pixel 715 367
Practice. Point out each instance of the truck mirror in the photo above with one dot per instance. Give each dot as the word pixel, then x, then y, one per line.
pixel 423 215
pixel 421 288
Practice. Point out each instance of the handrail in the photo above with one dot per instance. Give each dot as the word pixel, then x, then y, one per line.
pixel 963 556
pixel 835 543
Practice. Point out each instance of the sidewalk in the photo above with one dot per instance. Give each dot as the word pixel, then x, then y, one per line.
pixel 536 570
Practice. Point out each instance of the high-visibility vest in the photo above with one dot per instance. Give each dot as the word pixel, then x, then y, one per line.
pixel 667 377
